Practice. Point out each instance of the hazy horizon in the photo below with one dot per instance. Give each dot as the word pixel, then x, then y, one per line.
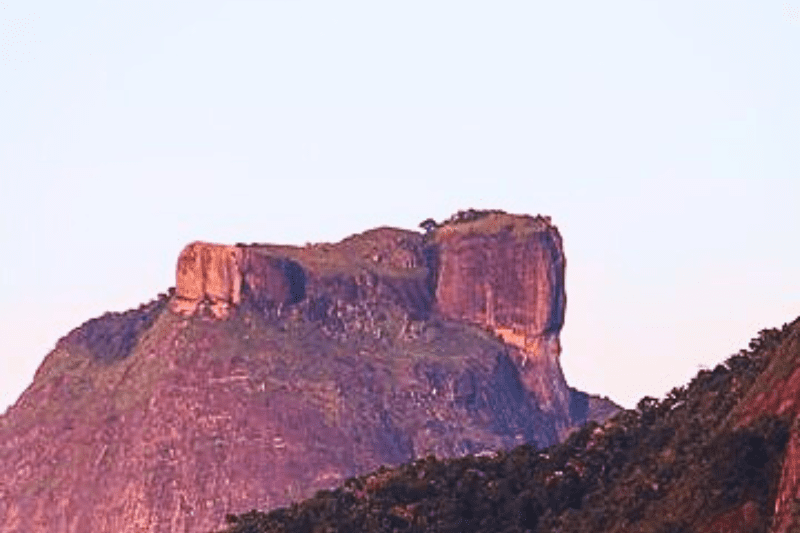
pixel 661 137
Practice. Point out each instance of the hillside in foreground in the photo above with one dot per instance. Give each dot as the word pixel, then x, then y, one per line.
pixel 719 455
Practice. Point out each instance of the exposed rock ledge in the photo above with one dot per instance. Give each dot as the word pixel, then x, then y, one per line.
pixel 272 372
pixel 503 272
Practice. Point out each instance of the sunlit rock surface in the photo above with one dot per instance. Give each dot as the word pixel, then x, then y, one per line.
pixel 506 273
pixel 208 273
pixel 271 372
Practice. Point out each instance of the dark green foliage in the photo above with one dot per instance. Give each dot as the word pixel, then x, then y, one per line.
pixel 667 467
pixel 428 225
pixel 745 463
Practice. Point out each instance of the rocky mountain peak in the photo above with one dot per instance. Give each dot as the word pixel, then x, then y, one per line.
pixel 273 371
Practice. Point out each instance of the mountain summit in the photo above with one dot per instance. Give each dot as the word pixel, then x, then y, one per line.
pixel 270 372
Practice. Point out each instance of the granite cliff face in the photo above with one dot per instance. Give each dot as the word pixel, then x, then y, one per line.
pixel 503 272
pixel 208 273
pixel 270 372
pixel 507 274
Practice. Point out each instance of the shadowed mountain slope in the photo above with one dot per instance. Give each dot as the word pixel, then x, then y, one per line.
pixel 270 372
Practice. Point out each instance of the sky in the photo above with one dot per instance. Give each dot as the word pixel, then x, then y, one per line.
pixel 662 137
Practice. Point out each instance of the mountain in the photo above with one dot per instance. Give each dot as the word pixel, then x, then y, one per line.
pixel 720 455
pixel 271 372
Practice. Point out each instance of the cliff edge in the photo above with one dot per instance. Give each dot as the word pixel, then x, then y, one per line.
pixel 506 273
pixel 500 271
pixel 271 372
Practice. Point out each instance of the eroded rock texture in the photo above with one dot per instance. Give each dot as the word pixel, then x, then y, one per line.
pixel 271 280
pixel 507 273
pixel 276 371
pixel 504 272
pixel 208 273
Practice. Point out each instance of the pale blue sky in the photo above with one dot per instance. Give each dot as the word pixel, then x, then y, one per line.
pixel 662 137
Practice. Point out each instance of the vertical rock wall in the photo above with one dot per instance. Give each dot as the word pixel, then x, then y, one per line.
pixel 506 272
pixel 215 277
pixel 503 281
pixel 208 273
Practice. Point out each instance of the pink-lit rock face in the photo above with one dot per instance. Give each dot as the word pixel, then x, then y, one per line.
pixel 503 272
pixel 274 371
pixel 506 273
pixel 208 273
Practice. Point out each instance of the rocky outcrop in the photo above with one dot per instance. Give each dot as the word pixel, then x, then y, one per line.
pixel 386 261
pixel 499 271
pixel 274 371
pixel 271 281
pixel 208 274
pixel 506 273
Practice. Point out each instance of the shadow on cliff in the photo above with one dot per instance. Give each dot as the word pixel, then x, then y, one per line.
pixel 113 336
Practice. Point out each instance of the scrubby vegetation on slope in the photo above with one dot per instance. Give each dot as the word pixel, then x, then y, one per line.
pixel 668 466
pixel 113 336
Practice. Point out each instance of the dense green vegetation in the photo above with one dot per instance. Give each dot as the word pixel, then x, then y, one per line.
pixel 668 466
